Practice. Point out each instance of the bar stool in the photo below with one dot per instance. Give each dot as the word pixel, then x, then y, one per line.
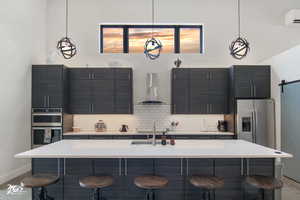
pixel 207 183
pixel 151 183
pixel 264 183
pixel 96 183
pixel 40 181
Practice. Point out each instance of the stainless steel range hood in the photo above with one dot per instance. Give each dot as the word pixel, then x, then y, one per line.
pixel 152 93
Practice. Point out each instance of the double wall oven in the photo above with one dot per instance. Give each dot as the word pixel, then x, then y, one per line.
pixel 47 126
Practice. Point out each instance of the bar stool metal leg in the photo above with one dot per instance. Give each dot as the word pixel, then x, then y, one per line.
pixel 97 194
pixel 262 191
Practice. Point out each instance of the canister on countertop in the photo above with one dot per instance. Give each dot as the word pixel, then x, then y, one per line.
pixel 100 126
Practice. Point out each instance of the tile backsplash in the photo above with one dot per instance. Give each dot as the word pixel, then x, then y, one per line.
pixel 144 117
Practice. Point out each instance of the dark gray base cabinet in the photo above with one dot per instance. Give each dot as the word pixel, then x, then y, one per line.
pixel 177 171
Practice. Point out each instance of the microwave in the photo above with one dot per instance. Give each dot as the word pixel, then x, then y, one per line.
pixel 45 135
pixel 47 117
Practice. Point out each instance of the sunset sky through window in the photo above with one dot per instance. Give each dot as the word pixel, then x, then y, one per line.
pixel 189 39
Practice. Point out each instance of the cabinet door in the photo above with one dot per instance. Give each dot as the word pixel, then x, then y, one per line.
pixel 55 94
pixel 102 73
pixel 49 166
pixel 180 96
pixel 243 82
pixel 219 81
pixel 75 169
pixel 80 97
pixel 262 83
pixel 47 86
pixel 102 96
pixel 123 92
pixel 80 73
pixel 252 81
pixel 39 94
pixel 200 81
pixel 218 104
pixel 200 104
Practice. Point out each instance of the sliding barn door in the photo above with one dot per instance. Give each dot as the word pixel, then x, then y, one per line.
pixel 290 129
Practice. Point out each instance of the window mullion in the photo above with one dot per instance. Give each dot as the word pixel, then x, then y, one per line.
pixel 125 40
pixel 177 39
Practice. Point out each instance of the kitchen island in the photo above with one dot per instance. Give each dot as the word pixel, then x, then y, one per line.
pixel 230 159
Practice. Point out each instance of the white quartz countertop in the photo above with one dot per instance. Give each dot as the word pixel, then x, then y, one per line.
pixel 124 149
pixel 179 132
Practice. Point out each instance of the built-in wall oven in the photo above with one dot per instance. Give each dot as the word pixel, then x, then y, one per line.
pixel 45 135
pixel 47 126
pixel 47 117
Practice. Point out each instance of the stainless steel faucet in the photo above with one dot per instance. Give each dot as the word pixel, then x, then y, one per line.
pixel 154 134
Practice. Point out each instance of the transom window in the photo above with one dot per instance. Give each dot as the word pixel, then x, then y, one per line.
pixel 132 38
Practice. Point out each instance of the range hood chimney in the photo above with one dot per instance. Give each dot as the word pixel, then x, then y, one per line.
pixel 152 95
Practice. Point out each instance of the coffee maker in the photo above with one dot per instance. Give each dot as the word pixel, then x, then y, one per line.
pixel 222 126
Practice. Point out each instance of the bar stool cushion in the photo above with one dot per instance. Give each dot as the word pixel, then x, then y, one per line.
pixel 39 180
pixel 207 182
pixel 151 182
pixel 264 182
pixel 96 181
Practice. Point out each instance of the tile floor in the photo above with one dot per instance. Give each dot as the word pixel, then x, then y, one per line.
pixel 291 191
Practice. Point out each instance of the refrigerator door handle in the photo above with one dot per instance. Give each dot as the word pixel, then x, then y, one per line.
pixel 253 126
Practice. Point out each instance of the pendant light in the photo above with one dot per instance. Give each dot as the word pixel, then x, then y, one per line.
pixel 153 46
pixel 66 46
pixel 240 47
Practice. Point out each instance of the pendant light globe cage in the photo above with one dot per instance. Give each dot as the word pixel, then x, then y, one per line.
pixel 239 48
pixel 153 48
pixel 66 48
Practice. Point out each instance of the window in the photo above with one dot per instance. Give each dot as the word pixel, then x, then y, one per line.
pixel 132 38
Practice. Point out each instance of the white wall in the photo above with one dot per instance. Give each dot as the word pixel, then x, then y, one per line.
pixel 22 39
pixel 262 24
pixel 285 66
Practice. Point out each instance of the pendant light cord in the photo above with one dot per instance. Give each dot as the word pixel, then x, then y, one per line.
pixel 239 17
pixel 152 18
pixel 67 17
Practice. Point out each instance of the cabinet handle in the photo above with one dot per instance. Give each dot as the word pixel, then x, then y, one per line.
pixel 120 166
pixel 93 76
pixel 48 101
pixel 89 75
pixel 92 107
pixel 207 108
pixel 45 101
pixel 254 88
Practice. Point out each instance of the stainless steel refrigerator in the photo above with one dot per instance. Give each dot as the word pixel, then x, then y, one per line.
pixel 255 121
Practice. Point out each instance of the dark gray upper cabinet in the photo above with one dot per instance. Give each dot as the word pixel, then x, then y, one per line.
pixel 48 85
pixel 199 91
pixel 250 81
pixel 101 91
pixel 180 91
pixel 123 91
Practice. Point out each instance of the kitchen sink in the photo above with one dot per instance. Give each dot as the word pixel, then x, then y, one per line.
pixel 144 142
